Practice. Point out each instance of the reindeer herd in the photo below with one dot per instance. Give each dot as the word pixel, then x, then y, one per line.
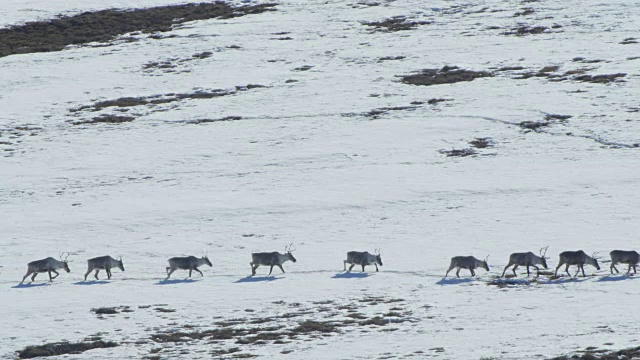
pixel 191 263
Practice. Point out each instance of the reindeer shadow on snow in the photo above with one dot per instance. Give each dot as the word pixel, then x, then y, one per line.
pixel 350 275
pixel 454 281
pixel 92 282
pixel 253 279
pixel 176 281
pixel 29 285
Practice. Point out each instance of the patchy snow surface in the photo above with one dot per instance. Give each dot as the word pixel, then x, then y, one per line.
pixel 309 163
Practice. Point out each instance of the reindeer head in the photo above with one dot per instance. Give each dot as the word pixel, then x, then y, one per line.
pixel 65 262
pixel 206 259
pixel 288 250
pixel 542 256
pixel 120 264
pixel 378 257
pixel 595 260
pixel 484 264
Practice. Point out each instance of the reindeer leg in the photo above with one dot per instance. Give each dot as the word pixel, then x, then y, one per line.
pixel 168 268
pixel 629 270
pixel 96 274
pixel 376 267
pixel 190 270
pixel 351 267
pixel 280 266
pixel 505 269
pixel 613 267
pixel 28 273
pixel 634 268
pixel 580 267
pixel 514 270
pixel 557 267
pixel 450 267
pixel 458 272
pixel 473 273
pixel 196 269
pixel 566 268
pixel 537 271
pixel 50 278
pixel 34 276
pixel 108 274
pixel 53 272
pixel 344 262
pixel 363 265
pixel 253 269
pixel 271 269
pixel 169 272
pixel 528 273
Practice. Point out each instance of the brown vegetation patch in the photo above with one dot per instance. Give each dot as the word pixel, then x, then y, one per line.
pixel 458 152
pixel 446 75
pixel 593 353
pixel 126 102
pixel 106 119
pixel 628 41
pixel 62 348
pixel 481 143
pixel 600 79
pixel 105 25
pixel 526 30
pixel 396 23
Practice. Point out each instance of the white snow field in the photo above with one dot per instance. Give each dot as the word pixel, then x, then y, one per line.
pixel 308 160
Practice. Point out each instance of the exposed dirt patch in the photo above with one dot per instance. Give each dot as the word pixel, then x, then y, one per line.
pixel 62 348
pixel 628 41
pixel 458 152
pixel 592 353
pixel 307 322
pixel 446 75
pixel 600 79
pixel 174 65
pixel 396 23
pixel 481 143
pixel 106 119
pixel 105 25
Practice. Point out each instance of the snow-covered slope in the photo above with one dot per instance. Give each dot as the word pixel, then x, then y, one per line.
pixel 306 161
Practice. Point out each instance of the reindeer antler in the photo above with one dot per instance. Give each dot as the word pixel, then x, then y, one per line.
pixel 595 255
pixel 545 251
pixel 66 257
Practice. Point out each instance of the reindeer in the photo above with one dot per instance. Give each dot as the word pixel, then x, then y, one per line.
pixel 527 259
pixel 187 263
pixel 576 258
pixel 362 258
pixel 467 262
pixel 271 259
pixel 103 263
pixel 626 257
pixel 47 265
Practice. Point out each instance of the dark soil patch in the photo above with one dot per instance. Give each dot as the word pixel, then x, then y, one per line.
pixel 105 311
pixel 125 102
pixel 628 41
pixel 524 12
pixel 551 117
pixel 481 143
pixel 62 348
pixel 105 25
pixel 600 79
pixel 106 119
pixel 205 121
pixel 396 23
pixel 526 30
pixel 533 125
pixel 391 58
pixel 315 326
pixel 594 354
pixel 446 75
pixel 458 152
pixel 586 61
